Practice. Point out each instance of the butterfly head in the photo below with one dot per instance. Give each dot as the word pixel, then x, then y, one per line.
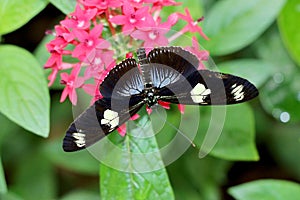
pixel 150 96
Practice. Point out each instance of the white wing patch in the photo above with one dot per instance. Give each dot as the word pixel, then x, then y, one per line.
pixel 111 119
pixel 199 92
pixel 80 139
pixel 237 91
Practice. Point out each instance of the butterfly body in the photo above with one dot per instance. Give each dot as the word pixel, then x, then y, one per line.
pixel 167 74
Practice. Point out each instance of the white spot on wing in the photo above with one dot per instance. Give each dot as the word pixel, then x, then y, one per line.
pixel 237 92
pixel 111 119
pixel 199 92
pixel 80 139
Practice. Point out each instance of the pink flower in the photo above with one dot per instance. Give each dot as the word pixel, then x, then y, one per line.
pixel 192 25
pixel 64 33
pixel 132 18
pixel 122 130
pixel 181 108
pixel 80 19
pixel 98 60
pixel 92 90
pixel 72 82
pixel 153 35
pixel 201 54
pixel 56 48
pixel 89 41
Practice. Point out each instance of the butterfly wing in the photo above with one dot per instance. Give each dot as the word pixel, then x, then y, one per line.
pixel 121 91
pixel 206 87
pixel 123 80
pixel 98 121
pixel 168 64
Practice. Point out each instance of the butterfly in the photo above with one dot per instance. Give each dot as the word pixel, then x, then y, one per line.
pixel 167 74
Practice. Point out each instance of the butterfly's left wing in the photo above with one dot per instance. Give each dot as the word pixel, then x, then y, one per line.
pixel 206 87
pixel 100 119
pixel 122 98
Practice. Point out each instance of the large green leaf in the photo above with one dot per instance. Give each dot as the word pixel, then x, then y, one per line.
pixel 131 183
pixel 204 176
pixel 16 13
pixel 266 190
pixel 233 24
pixel 24 92
pixel 66 6
pixel 288 22
pixel 237 139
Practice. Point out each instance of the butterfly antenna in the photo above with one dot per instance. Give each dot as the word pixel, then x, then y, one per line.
pixel 178 130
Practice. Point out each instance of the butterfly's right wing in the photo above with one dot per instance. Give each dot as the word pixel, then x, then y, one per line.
pixel 169 64
pixel 206 87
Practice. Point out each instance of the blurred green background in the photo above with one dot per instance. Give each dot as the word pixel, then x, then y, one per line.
pixel 258 40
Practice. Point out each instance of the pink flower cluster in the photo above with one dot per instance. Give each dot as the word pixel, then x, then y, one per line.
pixel 84 36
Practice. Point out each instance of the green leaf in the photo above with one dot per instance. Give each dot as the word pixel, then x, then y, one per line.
pixel 233 24
pixel 24 92
pixel 237 140
pixel 254 70
pixel 3 186
pixel 66 6
pixel 131 183
pixel 288 25
pixel 81 194
pixel 266 190
pixel 16 13
pixel 207 175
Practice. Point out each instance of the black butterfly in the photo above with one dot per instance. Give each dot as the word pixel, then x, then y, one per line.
pixel 167 74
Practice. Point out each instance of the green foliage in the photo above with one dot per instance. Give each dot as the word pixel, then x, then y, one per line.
pixel 81 194
pixel 16 13
pixel 288 25
pixel 24 93
pixel 284 143
pixel 144 176
pixel 66 6
pixel 3 187
pixel 233 24
pixel 248 68
pixel 248 42
pixel 266 190
pixel 237 140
